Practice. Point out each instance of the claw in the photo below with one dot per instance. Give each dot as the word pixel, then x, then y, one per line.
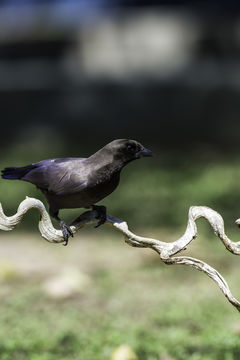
pixel 66 230
pixel 100 222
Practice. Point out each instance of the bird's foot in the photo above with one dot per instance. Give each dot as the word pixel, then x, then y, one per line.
pixel 66 230
pixel 101 214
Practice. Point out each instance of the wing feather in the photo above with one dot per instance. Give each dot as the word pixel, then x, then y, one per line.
pixel 59 176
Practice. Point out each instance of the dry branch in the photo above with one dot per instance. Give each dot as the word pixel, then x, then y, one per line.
pixel 165 250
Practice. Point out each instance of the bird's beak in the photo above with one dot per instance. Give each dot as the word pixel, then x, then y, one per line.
pixel 145 152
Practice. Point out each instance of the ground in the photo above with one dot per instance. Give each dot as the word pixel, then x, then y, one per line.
pixel 82 301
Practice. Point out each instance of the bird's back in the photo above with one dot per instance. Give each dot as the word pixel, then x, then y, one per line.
pixel 58 175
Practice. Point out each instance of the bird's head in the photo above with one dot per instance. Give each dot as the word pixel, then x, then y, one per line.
pixel 127 150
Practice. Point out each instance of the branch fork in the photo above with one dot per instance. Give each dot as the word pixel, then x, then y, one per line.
pixel 165 250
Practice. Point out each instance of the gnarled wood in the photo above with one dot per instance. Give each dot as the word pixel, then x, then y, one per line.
pixel 165 250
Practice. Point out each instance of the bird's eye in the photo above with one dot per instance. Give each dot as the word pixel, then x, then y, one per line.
pixel 130 147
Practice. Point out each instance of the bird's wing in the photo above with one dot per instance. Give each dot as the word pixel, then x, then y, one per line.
pixel 59 176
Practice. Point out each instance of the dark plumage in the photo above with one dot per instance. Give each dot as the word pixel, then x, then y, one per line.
pixel 79 182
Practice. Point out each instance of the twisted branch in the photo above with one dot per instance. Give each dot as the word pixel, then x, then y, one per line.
pixel 165 250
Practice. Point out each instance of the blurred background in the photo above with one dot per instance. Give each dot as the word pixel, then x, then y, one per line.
pixel 75 75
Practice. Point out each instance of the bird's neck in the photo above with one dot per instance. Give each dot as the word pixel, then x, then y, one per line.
pixel 104 160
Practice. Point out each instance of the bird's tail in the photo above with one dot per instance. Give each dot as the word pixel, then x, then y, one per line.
pixel 16 172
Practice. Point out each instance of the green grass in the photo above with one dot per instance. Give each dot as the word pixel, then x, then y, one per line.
pixel 156 309
pixel 69 331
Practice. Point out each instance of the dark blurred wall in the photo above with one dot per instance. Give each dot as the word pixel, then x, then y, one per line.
pixel 167 75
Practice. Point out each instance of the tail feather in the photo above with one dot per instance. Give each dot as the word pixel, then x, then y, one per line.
pixel 16 172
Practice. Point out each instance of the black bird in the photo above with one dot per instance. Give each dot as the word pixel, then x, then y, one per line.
pixel 79 182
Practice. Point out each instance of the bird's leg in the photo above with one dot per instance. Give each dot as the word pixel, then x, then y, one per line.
pixel 66 230
pixel 101 214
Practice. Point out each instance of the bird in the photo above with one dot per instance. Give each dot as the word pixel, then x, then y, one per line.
pixel 76 182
